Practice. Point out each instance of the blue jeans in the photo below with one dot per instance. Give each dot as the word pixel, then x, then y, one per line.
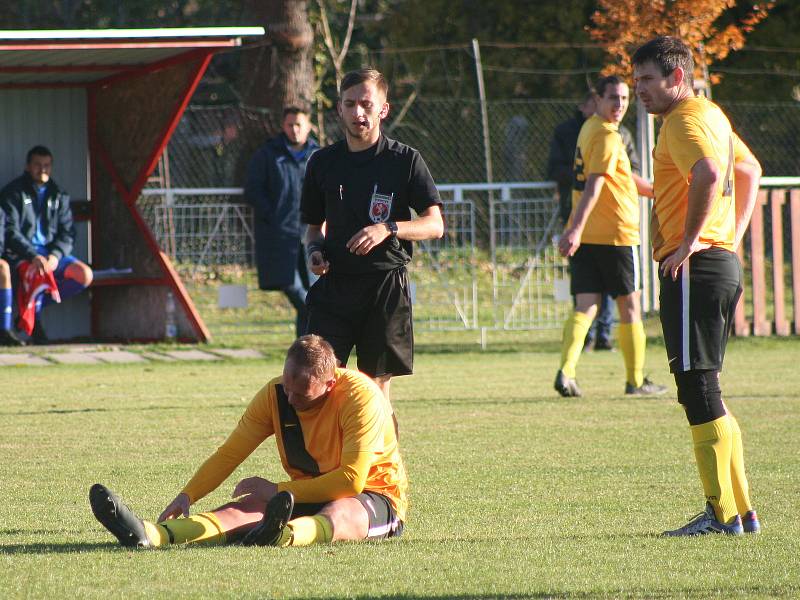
pixel 601 327
pixel 296 293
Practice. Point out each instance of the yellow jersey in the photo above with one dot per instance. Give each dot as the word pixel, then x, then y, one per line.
pixel 337 449
pixel 614 221
pixel 695 129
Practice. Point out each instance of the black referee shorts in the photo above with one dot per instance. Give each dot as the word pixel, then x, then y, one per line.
pixel 605 269
pixel 369 311
pixel 697 309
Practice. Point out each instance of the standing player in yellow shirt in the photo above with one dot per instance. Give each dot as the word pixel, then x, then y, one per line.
pixel 336 441
pixel 706 181
pixel 602 241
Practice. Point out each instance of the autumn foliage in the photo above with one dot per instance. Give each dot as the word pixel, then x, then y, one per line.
pixel 623 25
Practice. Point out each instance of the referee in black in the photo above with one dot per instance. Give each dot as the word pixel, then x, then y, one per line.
pixel 362 189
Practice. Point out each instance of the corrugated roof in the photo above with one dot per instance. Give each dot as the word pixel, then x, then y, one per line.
pixel 78 57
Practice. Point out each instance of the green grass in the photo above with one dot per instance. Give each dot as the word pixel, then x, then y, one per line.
pixel 515 493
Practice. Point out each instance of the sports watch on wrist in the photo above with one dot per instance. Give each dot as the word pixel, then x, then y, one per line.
pixel 392 226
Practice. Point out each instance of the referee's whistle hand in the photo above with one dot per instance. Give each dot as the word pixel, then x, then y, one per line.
pixel 317 264
pixel 365 240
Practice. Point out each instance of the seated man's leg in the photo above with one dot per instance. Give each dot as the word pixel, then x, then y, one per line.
pixel 366 516
pixel 224 524
pixel 72 276
pixel 7 337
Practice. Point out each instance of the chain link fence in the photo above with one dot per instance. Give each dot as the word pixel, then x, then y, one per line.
pixel 496 267
pixel 459 282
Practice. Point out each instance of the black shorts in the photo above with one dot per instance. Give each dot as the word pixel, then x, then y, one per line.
pixel 383 520
pixel 371 312
pixel 605 269
pixel 697 309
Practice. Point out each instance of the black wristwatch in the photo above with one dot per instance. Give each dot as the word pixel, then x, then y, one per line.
pixel 392 228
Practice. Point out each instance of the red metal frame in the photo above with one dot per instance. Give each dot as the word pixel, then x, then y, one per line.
pixel 188 43
pixel 154 66
pixel 42 86
pixel 69 68
pixel 130 196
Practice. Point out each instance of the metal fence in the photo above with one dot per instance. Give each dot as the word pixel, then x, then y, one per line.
pixel 212 145
pixel 463 281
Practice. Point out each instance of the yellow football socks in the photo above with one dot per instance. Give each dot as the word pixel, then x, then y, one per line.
pixel 712 449
pixel 632 342
pixel 574 334
pixel 202 528
pixel 310 530
pixel 741 489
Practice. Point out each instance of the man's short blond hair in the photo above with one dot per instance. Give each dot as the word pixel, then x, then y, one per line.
pixel 313 356
pixel 357 77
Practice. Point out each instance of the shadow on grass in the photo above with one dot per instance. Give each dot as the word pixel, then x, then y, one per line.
pixel 71 411
pixel 609 593
pixel 67 548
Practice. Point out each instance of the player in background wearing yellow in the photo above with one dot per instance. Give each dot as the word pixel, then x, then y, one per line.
pixel 336 440
pixel 602 241
pixel 706 182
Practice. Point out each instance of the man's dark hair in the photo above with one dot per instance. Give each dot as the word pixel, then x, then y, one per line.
pixel 667 53
pixel 295 110
pixel 602 83
pixel 38 151
pixel 312 355
pixel 356 77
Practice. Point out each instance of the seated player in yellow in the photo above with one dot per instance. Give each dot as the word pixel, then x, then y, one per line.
pixel 602 241
pixel 336 441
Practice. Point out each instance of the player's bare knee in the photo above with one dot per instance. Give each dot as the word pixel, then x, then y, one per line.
pixel 628 307
pixel 349 519
pixel 81 273
pixel 5 275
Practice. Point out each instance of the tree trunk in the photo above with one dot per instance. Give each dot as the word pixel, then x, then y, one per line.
pixel 281 72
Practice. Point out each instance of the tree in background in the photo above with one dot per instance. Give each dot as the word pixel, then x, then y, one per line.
pixel 711 28
pixel 279 72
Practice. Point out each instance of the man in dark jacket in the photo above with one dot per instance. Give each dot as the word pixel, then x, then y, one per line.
pixel 559 169
pixel 39 229
pixel 274 184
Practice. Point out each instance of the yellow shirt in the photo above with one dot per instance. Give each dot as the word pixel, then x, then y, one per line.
pixel 695 129
pixel 347 444
pixel 614 221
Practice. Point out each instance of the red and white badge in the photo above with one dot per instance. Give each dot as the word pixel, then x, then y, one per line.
pixel 380 206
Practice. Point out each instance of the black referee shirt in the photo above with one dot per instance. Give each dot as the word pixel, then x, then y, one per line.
pixel 351 190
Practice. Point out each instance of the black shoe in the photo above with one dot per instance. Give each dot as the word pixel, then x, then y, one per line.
pixel 566 386
pixel 648 388
pixel 39 335
pixel 9 338
pixel 109 509
pixel 276 515
pixel 603 345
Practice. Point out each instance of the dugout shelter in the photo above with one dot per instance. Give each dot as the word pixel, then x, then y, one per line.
pixel 106 103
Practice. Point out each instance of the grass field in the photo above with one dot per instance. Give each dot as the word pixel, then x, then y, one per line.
pixel 516 493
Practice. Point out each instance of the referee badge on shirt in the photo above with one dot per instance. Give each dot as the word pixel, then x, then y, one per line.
pixel 380 206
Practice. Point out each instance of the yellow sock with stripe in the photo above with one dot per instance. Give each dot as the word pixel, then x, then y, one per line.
pixel 632 342
pixel 574 334
pixel 200 528
pixel 310 530
pixel 712 449
pixel 741 489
